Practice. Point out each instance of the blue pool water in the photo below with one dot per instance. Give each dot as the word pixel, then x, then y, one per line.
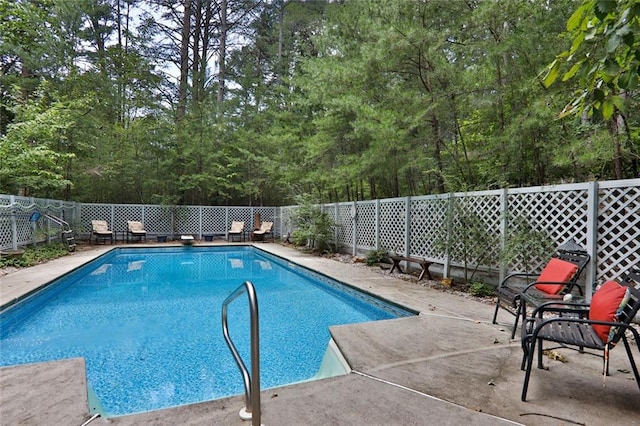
pixel 148 323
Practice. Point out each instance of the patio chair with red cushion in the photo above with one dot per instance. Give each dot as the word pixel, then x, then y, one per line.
pixel 599 325
pixel 559 277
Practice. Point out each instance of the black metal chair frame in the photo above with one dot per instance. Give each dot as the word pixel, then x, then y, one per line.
pixel 140 234
pixel 571 330
pixel 511 288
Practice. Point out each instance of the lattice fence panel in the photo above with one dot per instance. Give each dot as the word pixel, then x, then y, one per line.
pixel 337 229
pixel 561 215
pixel 18 210
pixel 91 212
pixel 366 222
pixel 6 233
pixel 428 226
pixel 475 230
pixel 344 223
pixel 122 213
pixel 157 220
pixel 23 226
pixel 187 220
pixel 214 220
pixel 392 225
pixel 240 214
pixel 618 244
pixel 25 206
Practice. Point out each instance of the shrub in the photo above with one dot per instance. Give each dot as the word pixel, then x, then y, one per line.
pixel 481 289
pixel 312 227
pixel 377 256
pixel 35 255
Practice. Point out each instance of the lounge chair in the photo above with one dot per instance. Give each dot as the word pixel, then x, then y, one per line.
pixel 559 277
pixel 136 229
pixel 261 233
pixel 237 230
pixel 598 325
pixel 101 231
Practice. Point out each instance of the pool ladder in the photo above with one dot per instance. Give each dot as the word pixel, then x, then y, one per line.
pixel 67 233
pixel 251 383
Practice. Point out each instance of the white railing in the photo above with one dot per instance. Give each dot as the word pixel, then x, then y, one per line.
pixel 603 217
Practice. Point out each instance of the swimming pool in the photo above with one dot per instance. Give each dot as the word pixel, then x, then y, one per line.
pixel 147 322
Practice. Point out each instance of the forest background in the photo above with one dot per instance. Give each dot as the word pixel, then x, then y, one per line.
pixel 255 102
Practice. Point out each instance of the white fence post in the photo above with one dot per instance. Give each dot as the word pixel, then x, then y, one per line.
pixel 354 230
pixel 446 269
pixel 407 228
pixel 336 228
pixel 592 236
pixel 377 224
pixel 504 229
pixel 14 224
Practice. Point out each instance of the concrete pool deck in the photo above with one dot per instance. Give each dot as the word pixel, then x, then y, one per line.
pixel 449 365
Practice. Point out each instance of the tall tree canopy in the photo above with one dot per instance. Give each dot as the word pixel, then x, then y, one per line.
pixel 256 102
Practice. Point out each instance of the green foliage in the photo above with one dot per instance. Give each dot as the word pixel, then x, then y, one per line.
pixel 344 100
pixel 34 255
pixel 481 289
pixel 467 239
pixel 312 227
pixel 604 56
pixel 526 245
pixel 377 256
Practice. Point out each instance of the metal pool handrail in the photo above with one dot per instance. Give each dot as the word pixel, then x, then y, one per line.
pixel 251 383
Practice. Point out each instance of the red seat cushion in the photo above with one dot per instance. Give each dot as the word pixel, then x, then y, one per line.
pixel 556 271
pixel 604 305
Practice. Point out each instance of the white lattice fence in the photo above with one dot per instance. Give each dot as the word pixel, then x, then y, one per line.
pixel 560 213
pixel 126 212
pixel 344 223
pixel 603 217
pixel 366 220
pixel 393 213
pixel 428 226
pixel 158 220
pixel 89 212
pixel 173 220
pixel 16 229
pixel 618 230
pixel 214 220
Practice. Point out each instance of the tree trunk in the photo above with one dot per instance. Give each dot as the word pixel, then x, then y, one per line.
pixel 437 152
pixel 196 72
pixel 617 156
pixel 222 55
pixel 184 61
